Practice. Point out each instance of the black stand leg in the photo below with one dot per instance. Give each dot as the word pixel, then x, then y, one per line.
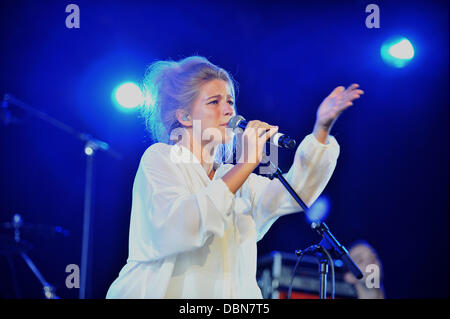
pixel 323 270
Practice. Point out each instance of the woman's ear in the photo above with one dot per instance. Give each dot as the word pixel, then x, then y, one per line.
pixel 183 118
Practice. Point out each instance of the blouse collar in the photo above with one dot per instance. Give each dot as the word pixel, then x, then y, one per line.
pixel 181 154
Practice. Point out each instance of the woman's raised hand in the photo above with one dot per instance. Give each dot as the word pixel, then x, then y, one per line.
pixel 334 104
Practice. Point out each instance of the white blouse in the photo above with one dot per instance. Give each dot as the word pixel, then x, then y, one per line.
pixel 190 237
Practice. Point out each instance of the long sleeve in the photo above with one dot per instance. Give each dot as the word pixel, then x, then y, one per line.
pixel 167 216
pixel 310 172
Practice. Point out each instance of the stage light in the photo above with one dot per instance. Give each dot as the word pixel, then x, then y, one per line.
pixel 128 95
pixel 88 150
pixel 319 210
pixel 397 52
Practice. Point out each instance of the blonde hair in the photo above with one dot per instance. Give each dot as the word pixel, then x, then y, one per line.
pixel 172 85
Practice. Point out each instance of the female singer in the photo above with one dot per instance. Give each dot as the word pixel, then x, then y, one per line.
pixel 195 220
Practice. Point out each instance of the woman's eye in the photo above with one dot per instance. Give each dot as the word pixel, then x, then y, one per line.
pixel 216 102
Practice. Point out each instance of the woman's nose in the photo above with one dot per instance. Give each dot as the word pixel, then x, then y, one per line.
pixel 228 109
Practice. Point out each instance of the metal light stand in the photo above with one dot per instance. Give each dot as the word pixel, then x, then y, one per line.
pixel 49 290
pixel 91 146
pixel 329 242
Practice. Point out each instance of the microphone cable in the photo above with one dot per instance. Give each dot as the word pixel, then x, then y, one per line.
pixel 300 255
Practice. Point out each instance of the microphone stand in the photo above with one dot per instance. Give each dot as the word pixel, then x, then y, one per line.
pixel 48 289
pixel 91 146
pixel 329 242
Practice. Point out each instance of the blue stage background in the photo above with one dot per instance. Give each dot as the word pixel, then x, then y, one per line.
pixel 391 183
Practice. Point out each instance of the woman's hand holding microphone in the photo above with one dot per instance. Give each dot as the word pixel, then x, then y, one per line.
pixel 254 138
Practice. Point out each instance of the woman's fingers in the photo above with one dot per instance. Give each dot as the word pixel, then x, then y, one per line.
pixel 336 91
pixel 255 124
pixel 352 95
pixel 352 92
pixel 354 88
pixel 346 106
pixel 266 135
pixel 356 93
pixel 271 132
pixel 346 99
pixel 256 136
pixel 342 90
pixel 263 131
pixel 258 124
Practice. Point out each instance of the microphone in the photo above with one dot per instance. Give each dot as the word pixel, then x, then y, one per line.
pixel 278 139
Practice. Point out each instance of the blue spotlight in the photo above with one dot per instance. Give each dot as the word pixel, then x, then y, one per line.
pixel 319 210
pixel 128 95
pixel 397 52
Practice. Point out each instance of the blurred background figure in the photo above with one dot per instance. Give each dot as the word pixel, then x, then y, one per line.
pixel 371 285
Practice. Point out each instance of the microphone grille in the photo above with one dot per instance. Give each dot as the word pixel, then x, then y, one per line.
pixel 234 121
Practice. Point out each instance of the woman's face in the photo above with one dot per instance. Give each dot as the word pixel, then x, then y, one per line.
pixel 213 108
